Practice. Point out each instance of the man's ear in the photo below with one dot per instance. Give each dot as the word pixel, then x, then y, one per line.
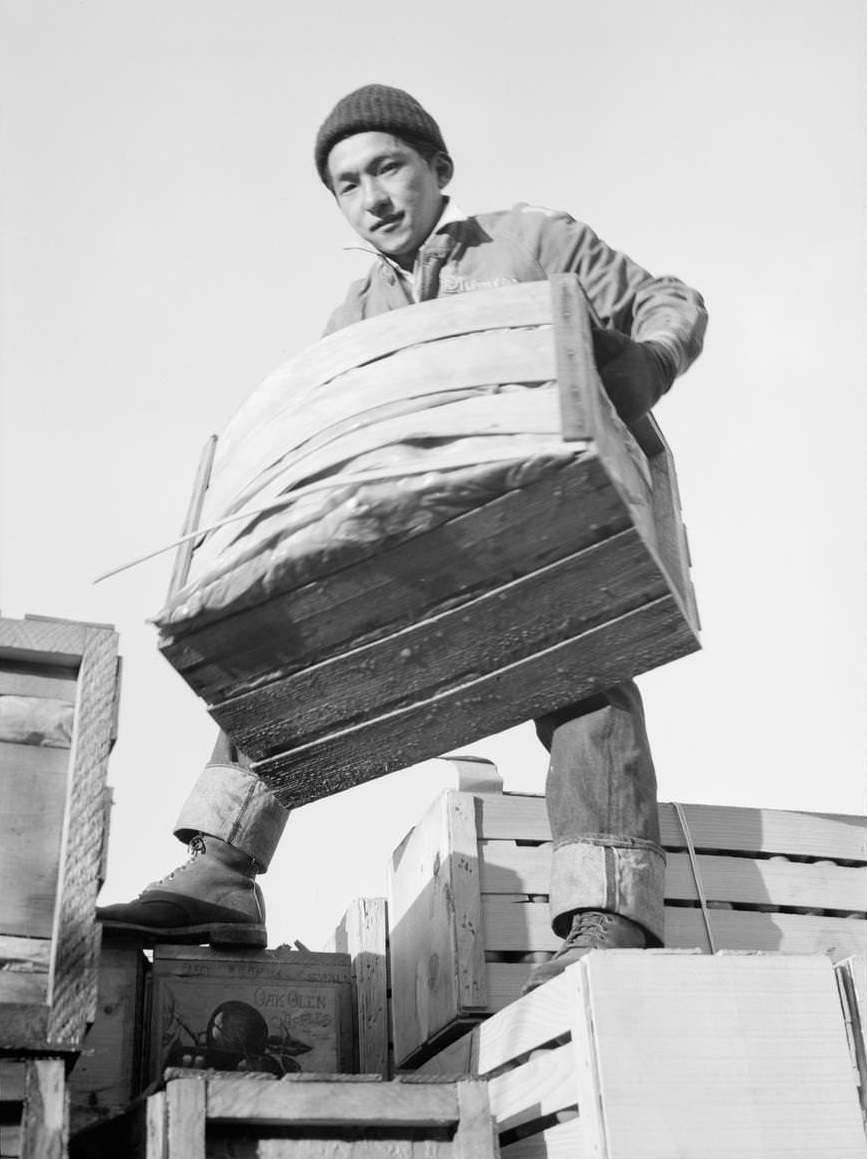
pixel 444 169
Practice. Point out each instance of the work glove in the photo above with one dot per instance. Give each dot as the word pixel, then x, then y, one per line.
pixel 635 374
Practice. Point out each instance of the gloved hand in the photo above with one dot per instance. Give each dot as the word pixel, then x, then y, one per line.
pixel 635 374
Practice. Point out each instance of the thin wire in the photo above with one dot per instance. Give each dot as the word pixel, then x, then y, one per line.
pixel 310 488
pixel 693 861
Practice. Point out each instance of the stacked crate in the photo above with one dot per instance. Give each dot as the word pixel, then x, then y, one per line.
pixel 649 1054
pixel 302 1117
pixel 469 917
pixel 58 709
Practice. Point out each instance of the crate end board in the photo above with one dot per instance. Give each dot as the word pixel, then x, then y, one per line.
pixel 53 817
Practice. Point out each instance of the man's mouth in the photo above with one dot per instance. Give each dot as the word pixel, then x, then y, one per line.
pixel 387 222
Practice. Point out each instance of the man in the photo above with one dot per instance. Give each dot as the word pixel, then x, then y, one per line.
pixel 384 160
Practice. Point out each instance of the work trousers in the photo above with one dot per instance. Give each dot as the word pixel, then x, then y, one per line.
pixel 601 797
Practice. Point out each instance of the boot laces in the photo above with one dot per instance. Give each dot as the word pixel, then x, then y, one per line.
pixel 588 929
pixel 195 849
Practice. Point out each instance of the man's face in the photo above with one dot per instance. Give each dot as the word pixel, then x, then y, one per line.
pixel 390 195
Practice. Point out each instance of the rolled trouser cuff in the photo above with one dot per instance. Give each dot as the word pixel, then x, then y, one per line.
pixel 621 875
pixel 230 802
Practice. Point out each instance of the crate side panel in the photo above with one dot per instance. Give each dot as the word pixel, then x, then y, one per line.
pixel 33 783
pixel 502 627
pixel 643 639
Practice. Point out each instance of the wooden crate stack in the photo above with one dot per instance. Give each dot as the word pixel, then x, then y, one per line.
pixel 58 710
pixel 656 1053
pixel 468 899
pixel 302 1117
pixel 362 933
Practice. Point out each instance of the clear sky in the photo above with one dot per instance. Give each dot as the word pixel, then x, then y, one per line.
pixel 166 244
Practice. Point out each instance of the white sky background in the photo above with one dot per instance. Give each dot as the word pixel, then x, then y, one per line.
pixel 166 244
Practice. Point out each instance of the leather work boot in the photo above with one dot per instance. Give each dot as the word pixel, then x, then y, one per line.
pixel 212 898
pixel 591 930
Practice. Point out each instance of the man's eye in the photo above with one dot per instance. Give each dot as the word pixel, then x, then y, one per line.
pixel 346 187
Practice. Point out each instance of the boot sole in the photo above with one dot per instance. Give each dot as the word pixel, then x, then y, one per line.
pixel 214 933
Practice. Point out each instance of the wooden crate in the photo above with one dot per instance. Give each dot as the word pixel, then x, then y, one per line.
pixel 277 1011
pixel 33 1108
pixel 468 908
pixel 302 1117
pixel 651 1054
pixel 58 711
pixel 363 934
pixel 107 1075
pixel 530 600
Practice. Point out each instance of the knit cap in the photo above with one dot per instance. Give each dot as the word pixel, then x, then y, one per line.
pixel 375 108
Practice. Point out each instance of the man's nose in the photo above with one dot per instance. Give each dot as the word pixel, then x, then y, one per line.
pixel 375 197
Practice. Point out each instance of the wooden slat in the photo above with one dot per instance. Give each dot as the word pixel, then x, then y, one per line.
pixel 186 1102
pixel 325 1103
pixel 513 927
pixel 33 791
pixel 43 1124
pixel 544 1085
pixel 156 1127
pixel 564 1141
pixel 475 1136
pixel 390 587
pixel 643 639
pixel 31 954
pixel 713 827
pixel 363 933
pixel 24 988
pixel 426 905
pixel 184 554
pixel 447 650
pixel 309 437
pixel 76 933
pixel 509 868
pixel 35 640
pixel 34 679
pixel 523 305
pixel 36 720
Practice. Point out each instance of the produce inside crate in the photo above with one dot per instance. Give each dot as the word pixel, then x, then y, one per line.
pixel 468 906
pixel 58 704
pixel 438 527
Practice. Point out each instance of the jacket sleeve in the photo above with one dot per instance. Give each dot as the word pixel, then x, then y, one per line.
pixel 622 294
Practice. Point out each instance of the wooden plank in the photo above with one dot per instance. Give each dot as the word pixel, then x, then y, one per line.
pixel 186 1107
pixel 527 304
pixel 851 976
pixel 544 1086
pixel 43 1123
pixel 25 988
pixel 475 1137
pixel 518 926
pixel 76 934
pixel 388 588
pixel 713 827
pixel 156 1127
pixel 427 986
pixel 30 954
pixel 363 933
pixel 564 1141
pixel 778 882
pixel 184 555
pixel 34 679
pixel 349 416
pixel 24 1027
pixel 33 784
pixel 575 668
pixel 576 367
pixel 449 649
pixel 36 720
pixel 107 1075
pixel 34 640
pixel 327 1103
